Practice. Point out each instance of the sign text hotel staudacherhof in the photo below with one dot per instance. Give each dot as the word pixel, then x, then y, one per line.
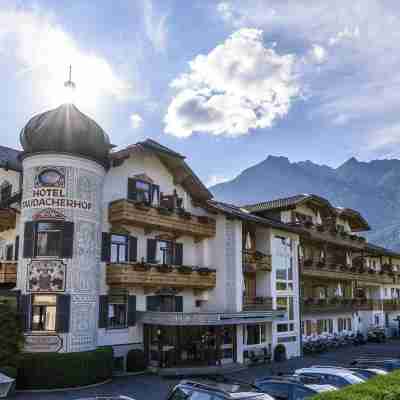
pixel 54 198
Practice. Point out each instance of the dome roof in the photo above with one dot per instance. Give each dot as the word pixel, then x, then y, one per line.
pixel 66 130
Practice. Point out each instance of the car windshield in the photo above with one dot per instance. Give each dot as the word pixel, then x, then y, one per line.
pixel 354 379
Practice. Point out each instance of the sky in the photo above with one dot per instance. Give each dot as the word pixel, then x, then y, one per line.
pixel 226 83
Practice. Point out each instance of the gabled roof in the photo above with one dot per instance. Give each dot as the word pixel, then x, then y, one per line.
pixel 356 220
pixel 287 203
pixel 240 213
pixel 174 162
pixel 9 159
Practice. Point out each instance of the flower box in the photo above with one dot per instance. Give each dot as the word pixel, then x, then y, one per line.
pixel 164 268
pixel 184 269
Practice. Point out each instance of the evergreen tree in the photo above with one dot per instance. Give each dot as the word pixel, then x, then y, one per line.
pixel 11 334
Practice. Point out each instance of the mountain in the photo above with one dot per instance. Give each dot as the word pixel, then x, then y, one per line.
pixel 373 188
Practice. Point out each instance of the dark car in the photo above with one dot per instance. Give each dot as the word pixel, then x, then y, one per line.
pixel 212 390
pixel 290 388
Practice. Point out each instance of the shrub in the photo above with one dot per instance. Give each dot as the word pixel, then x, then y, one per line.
pixel 383 387
pixel 280 353
pixel 63 370
pixel 136 361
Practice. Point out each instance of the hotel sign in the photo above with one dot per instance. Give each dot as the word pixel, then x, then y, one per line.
pixel 43 343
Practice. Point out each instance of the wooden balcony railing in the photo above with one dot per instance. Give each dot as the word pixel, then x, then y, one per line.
pixel 314 306
pixel 257 304
pixel 8 218
pixel 8 272
pixel 311 268
pixel 156 276
pixel 256 261
pixel 391 305
pixel 127 212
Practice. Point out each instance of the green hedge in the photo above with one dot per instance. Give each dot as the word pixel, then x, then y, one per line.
pixel 63 370
pixel 384 387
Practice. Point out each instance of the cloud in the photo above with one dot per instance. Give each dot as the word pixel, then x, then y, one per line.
pixel 216 179
pixel 136 121
pixel 41 48
pixel 383 142
pixel 155 24
pixel 358 42
pixel 240 85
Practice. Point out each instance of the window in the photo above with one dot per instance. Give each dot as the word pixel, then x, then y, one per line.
pixel 119 248
pixel 44 313
pixel 48 241
pixel 340 324
pixel 165 252
pixel 286 304
pixel 255 334
pixel 5 191
pixel 179 394
pixel 165 303
pixel 140 191
pixel 117 310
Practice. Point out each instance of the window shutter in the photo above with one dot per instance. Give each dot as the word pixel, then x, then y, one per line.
pixel 16 254
pixel 63 313
pixel 29 233
pixel 132 189
pixel 132 249
pixel 25 309
pixel 68 240
pixel 106 247
pixel 178 304
pixel 103 311
pixel 178 254
pixel 153 303
pixel 131 310
pixel 151 250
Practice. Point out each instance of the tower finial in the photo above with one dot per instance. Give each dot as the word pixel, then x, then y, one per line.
pixel 69 83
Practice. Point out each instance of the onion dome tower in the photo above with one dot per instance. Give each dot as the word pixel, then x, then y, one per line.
pixel 64 163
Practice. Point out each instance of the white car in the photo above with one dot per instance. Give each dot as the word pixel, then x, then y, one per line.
pixel 338 377
pixel 364 373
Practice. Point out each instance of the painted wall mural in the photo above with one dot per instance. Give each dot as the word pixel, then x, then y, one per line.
pixel 46 276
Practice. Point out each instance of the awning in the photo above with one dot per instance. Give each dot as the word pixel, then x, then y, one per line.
pixel 213 319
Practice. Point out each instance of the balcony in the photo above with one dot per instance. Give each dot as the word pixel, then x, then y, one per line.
pixel 127 212
pixel 257 304
pixel 8 273
pixel 157 276
pixel 335 304
pixel 311 268
pixel 391 305
pixel 324 233
pixel 254 261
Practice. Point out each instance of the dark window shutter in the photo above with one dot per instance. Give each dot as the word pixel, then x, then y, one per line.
pixel 25 309
pixel 131 310
pixel 178 304
pixel 16 254
pixel 132 249
pixel 63 313
pixel 29 233
pixel 153 303
pixel 103 311
pixel 68 240
pixel 151 250
pixel 9 252
pixel 178 254
pixel 106 247
pixel 132 189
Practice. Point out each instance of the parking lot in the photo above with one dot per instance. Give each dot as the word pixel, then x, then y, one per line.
pixel 152 387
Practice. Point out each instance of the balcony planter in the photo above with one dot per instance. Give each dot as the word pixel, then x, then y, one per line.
pixel 308 262
pixel 164 268
pixel 343 267
pixel 164 211
pixel 204 271
pixel 184 269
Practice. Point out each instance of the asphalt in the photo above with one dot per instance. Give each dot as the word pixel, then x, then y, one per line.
pixel 152 387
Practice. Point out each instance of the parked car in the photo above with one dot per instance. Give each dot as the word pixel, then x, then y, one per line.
pixel 387 364
pixel 365 373
pixel 214 390
pixel 107 397
pixel 334 376
pixel 290 388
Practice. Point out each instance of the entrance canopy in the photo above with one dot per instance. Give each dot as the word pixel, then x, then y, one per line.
pixel 210 319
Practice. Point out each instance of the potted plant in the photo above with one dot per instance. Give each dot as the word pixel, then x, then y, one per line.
pixel 164 268
pixel 184 269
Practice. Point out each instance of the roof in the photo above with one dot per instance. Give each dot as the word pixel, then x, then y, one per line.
pixel 285 203
pixel 240 213
pixel 378 250
pixel 356 220
pixel 174 162
pixel 9 159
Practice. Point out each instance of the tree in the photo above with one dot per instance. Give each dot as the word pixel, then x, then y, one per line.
pixel 11 334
